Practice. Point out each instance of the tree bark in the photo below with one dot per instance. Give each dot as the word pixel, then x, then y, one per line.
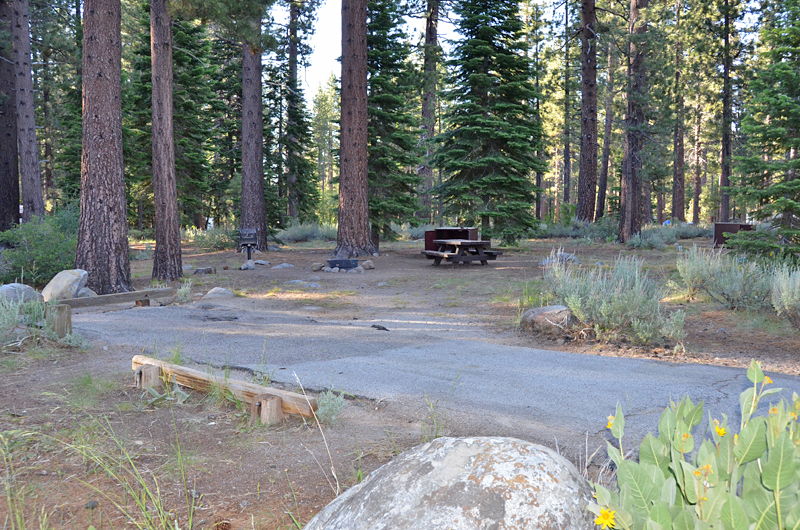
pixel 429 83
pixel 698 181
pixel 291 113
pixel 254 208
pixel 630 219
pixel 353 236
pixel 30 175
pixel 167 255
pixel 567 154
pixel 727 118
pixel 587 173
pixel 602 184
pixel 679 164
pixel 9 164
pixel 103 229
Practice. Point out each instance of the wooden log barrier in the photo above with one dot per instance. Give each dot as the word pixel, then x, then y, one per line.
pixel 267 409
pixel 60 316
pixel 290 402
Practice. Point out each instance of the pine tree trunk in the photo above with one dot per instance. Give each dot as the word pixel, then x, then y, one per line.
pixel 567 154
pixel 727 119
pixel 630 218
pixel 602 184
pixel 679 164
pixel 698 182
pixel 660 200
pixel 587 176
pixel 167 256
pixel 103 229
pixel 291 113
pixel 647 200
pixel 353 236
pixel 9 165
pixel 431 55
pixel 47 163
pixel 254 208
pixel 30 175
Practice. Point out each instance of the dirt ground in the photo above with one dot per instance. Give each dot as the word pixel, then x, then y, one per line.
pixel 92 424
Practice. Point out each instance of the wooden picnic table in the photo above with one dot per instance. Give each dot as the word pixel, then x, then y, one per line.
pixel 461 251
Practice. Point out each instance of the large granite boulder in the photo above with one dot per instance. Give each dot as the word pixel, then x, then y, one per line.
pixel 65 284
pixel 465 484
pixel 18 292
pixel 551 319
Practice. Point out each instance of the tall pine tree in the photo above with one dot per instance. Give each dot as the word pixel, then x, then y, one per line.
pixel 392 161
pixel 488 152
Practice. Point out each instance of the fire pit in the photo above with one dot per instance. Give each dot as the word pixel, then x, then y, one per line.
pixel 343 263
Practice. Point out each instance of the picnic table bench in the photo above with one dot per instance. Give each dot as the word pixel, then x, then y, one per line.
pixel 461 251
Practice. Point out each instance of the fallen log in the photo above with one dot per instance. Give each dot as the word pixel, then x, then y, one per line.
pixel 291 403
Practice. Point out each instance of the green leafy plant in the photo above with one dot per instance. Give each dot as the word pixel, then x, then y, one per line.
pixel 743 481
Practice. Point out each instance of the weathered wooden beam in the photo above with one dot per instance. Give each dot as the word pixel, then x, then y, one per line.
pixel 60 316
pixel 148 376
pixel 267 409
pixel 106 299
pixel 291 403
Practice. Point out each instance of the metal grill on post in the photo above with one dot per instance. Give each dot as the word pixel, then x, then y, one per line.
pixel 248 238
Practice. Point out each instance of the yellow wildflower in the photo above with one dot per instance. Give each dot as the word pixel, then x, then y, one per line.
pixel 793 415
pixel 610 422
pixel 735 439
pixel 605 519
pixel 697 473
pixel 720 430
pixel 686 436
pixel 767 380
pixel 707 469
pixel 773 410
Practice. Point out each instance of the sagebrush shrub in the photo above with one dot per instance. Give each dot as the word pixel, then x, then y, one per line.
pixel 213 239
pixel 786 293
pixel 329 407
pixel 307 232
pixel 621 301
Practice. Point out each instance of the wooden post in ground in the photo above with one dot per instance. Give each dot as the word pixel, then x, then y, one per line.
pixel 267 409
pixel 60 317
pixel 148 376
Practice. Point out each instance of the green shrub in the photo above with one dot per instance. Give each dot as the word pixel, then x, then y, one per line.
pixel 622 301
pixel 786 293
pixel 407 232
pixel 767 243
pixel 329 407
pixel 15 315
pixel 40 248
pixel 307 232
pixel 732 481
pixel 659 236
pixel 732 281
pixel 213 239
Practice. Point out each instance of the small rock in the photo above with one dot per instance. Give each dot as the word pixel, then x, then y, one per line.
pixel 186 267
pixel 382 284
pixel 91 505
pixel 85 293
pixel 353 271
pixel 18 292
pixel 205 270
pixel 368 265
pixel 248 265
pixel 334 269
pixel 317 266
pixel 550 320
pixel 327 269
pixel 560 342
pixel 274 248
pixel 314 278
pixel 283 266
pixel 261 262
pixel 375 254
pixel 379 327
pixel 65 284
pixel 313 285
pixel 359 269
pixel 345 270
pixel 219 292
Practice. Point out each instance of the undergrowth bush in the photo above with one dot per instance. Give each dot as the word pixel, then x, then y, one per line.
pixel 407 232
pixel 659 237
pixel 730 481
pixel 329 406
pixel 213 239
pixel 604 229
pixel 307 232
pixel 786 293
pixel 622 301
pixel 40 248
pixel 767 243
pixel 732 281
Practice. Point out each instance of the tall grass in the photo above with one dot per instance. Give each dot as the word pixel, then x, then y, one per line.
pixel 786 293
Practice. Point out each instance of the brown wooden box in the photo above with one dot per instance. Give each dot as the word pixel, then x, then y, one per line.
pixel 720 229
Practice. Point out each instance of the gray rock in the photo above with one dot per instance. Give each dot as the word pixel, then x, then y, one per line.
pixel 359 269
pixel 85 293
pixel 353 271
pixel 334 269
pixel 466 484
pixel 283 266
pixel 560 257
pixel 219 293
pixel 368 265
pixel 382 284
pixel 65 284
pixel 274 248
pixel 313 285
pixel 550 319
pixel 18 292
pixel 261 262
pixel 327 269
pixel 248 265
pixel 317 267
pixel 186 267
pixel 205 270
